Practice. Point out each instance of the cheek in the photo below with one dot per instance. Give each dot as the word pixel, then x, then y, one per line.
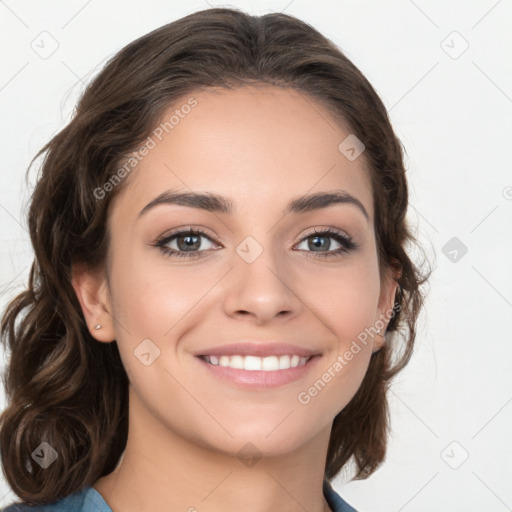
pixel 150 295
pixel 344 300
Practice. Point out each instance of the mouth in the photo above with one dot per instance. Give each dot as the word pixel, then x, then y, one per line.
pixel 253 373
pixel 257 365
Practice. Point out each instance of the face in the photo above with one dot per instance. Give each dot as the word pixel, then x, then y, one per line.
pixel 181 280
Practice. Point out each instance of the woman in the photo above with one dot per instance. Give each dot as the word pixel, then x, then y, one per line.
pixel 221 291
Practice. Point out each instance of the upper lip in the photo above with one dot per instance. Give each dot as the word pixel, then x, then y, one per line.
pixel 259 349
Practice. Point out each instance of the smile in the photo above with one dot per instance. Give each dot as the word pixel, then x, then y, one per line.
pixel 251 372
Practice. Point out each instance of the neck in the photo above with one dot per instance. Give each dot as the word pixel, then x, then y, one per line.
pixel 162 470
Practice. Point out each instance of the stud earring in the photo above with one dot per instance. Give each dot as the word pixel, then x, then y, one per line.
pixel 97 326
pixel 379 332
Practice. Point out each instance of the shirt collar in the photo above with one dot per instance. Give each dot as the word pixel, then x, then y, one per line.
pixel 335 501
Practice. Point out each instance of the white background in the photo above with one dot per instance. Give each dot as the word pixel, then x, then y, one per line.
pixel 452 112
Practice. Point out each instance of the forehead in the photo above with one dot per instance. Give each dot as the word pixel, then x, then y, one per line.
pixel 260 146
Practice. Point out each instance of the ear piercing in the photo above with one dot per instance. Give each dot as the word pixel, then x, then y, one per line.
pixel 97 326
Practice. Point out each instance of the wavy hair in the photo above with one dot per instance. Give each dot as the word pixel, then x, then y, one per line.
pixel 50 394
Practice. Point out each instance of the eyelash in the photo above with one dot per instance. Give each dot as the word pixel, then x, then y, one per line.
pixel 346 242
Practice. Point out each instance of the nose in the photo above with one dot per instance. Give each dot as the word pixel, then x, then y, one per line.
pixel 261 289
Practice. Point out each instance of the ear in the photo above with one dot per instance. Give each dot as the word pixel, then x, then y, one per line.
pixel 91 288
pixel 385 307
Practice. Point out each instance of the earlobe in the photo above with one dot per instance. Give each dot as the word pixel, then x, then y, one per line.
pixel 378 340
pixel 91 288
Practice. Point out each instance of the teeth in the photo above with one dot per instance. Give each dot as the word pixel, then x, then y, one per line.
pixel 253 363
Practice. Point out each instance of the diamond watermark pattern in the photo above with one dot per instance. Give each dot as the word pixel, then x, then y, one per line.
pixel 44 455
pixel 454 249
pixel 455 455
pixel 249 250
pixel 454 45
pixel 351 147
pixel 45 45
pixel 146 352
pixel 249 455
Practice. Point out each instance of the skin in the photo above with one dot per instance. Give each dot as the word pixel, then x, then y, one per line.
pixel 261 147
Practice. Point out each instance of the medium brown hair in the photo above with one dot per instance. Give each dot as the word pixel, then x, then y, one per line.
pixel 51 394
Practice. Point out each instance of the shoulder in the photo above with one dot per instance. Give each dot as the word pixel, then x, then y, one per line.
pixel 84 500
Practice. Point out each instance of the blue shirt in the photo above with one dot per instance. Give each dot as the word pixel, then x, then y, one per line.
pixel 90 500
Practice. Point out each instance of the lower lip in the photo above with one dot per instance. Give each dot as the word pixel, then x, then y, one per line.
pixel 257 379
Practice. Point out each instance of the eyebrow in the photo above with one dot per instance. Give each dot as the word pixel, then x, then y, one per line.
pixel 220 204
